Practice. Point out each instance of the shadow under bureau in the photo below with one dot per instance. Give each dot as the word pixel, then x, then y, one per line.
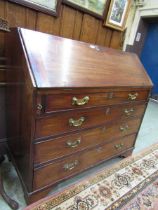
pixel 71 106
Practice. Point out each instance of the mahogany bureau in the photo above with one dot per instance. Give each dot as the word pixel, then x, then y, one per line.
pixel 71 106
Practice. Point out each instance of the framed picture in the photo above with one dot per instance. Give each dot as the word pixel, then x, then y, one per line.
pixel 4 26
pixel 97 8
pixel 117 14
pixel 47 6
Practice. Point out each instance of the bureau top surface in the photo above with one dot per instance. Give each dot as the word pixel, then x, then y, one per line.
pixel 58 62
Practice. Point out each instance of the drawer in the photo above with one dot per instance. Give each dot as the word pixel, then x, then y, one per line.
pixel 67 167
pixel 69 144
pixel 65 122
pixel 56 102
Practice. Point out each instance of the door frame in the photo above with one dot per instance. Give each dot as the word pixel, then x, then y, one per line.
pixel 143 17
pixel 141 32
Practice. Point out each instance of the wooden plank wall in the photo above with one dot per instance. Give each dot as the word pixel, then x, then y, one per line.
pixel 71 24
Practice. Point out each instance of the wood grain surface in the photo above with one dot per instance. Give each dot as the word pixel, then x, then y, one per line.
pixel 48 150
pixel 52 173
pixel 56 102
pixel 67 63
pixel 59 123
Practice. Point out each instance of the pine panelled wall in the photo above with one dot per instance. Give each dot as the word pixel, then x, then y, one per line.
pixel 71 23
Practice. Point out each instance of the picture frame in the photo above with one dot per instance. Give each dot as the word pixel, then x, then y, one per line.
pixel 4 25
pixel 41 5
pixel 117 14
pixel 89 7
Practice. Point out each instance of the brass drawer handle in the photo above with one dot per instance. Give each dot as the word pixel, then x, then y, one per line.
pixel 39 106
pixel 132 96
pixel 119 146
pixel 76 123
pixel 80 102
pixel 128 112
pixel 70 166
pixel 73 144
pixel 124 128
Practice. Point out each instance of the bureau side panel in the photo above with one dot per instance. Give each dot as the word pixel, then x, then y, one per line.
pixel 20 94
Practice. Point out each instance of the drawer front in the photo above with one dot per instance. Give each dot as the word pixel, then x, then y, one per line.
pixel 67 167
pixel 62 146
pixel 56 102
pixel 75 120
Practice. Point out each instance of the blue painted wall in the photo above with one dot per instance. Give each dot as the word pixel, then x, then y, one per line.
pixel 149 55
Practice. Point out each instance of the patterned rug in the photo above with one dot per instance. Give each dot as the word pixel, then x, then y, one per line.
pixel 132 184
